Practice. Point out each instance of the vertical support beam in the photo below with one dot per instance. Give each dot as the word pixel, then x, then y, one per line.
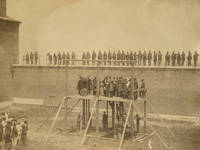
pixel 107 107
pixel 132 115
pixel 97 106
pixel 66 78
pixel 114 119
pixel 145 115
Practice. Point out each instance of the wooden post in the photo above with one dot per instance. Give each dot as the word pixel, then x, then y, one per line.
pixel 145 115
pixel 66 77
pixel 132 94
pixel 97 105
pixel 114 119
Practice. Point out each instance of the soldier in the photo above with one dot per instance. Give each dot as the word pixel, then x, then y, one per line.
pixel 88 57
pixel 155 58
pixel 167 59
pixel 135 58
pixel 73 57
pixel 137 123
pixel 14 134
pixel 36 57
pixel 189 58
pixel 109 57
pixel 195 58
pixel 143 89
pixel 105 57
pixel 59 58
pixel 178 59
pixel 24 134
pixel 31 58
pixel 159 58
pixel 67 58
pixel 182 58
pixel 149 58
pixel 123 57
pixel 105 120
pixel 93 57
pixel 78 122
pixel 144 58
pixel 118 56
pixel 63 58
pixel 1 133
pixel 139 58
pixel 173 58
pixel 114 57
pixel 127 58
pixel 135 88
pixel 55 59
pixel 50 58
pixel 131 58
pixel 83 58
pixel 27 58
pixel 100 57
pixel 7 136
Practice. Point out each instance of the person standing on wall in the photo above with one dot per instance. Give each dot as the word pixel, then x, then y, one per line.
pixel 189 58
pixel 195 58
pixel 93 57
pixel 149 58
pixel 155 58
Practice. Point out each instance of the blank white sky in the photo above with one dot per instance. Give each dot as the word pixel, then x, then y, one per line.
pixel 57 25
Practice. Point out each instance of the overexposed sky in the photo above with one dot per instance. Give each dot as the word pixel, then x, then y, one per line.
pixel 58 25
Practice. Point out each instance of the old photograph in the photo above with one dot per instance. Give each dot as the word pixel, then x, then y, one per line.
pixel 99 75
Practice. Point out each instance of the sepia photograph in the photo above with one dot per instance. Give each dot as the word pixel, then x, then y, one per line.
pixel 99 75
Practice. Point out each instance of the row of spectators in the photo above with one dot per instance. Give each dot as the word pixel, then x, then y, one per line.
pixel 112 86
pixel 119 58
pixel 31 58
pixel 13 132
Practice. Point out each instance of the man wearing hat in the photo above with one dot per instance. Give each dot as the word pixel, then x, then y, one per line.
pixel 1 133
pixel 7 136
pixel 143 90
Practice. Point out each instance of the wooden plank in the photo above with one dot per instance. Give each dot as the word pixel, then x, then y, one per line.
pixel 88 124
pixel 57 114
pixel 122 138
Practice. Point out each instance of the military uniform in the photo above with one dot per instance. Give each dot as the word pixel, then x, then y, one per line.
pixel 67 58
pixel 105 57
pixel 55 59
pixel 139 58
pixel 149 58
pixel 159 58
pixel 73 58
pixel 195 58
pixel 100 57
pixel 83 58
pixel 118 57
pixel 36 58
pixel 27 58
pixel 114 56
pixel 182 58
pixel 93 57
pixel 155 58
pixel 135 58
pixel 144 58
pixel 59 58
pixel 173 59
pixel 88 58
pixel 31 58
pixel 167 59
pixel 131 58
pixel 63 58
pixel 123 57
pixel 50 59
pixel 178 59
pixel 109 57
pixel 127 58
pixel 189 58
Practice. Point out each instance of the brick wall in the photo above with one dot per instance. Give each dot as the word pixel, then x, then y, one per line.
pixel 8 55
pixel 170 91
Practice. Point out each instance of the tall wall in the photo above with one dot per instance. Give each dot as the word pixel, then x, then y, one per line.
pixel 8 54
pixel 170 90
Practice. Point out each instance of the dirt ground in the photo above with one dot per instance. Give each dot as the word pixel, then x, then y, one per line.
pixel 187 135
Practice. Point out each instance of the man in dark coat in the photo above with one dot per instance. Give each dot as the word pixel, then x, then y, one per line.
pixel 189 58
pixel 31 58
pixel 27 58
pixel 135 58
pixel 173 58
pixel 155 58
pixel 83 58
pixel 127 58
pixel 93 57
pixel 55 59
pixel 7 136
pixel 139 58
pixel 167 59
pixel 109 57
pixel 88 58
pixel 195 58
pixel 159 58
pixel 67 58
pixel 178 59
pixel 105 57
pixel 36 57
pixel 59 58
pixel 73 57
pixel 144 58
pixel 100 57
pixel 182 58
pixel 149 58
pixel 114 56
pixel 119 55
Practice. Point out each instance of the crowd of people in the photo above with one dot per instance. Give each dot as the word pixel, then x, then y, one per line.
pixel 31 58
pixel 118 58
pixel 13 132
pixel 112 87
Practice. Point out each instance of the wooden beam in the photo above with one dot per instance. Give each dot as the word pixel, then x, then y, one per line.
pixel 127 117
pixel 88 123
pixel 57 114
pixel 115 120
pixel 145 116
pixel 97 106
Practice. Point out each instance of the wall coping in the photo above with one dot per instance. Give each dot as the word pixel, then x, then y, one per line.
pixel 117 67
